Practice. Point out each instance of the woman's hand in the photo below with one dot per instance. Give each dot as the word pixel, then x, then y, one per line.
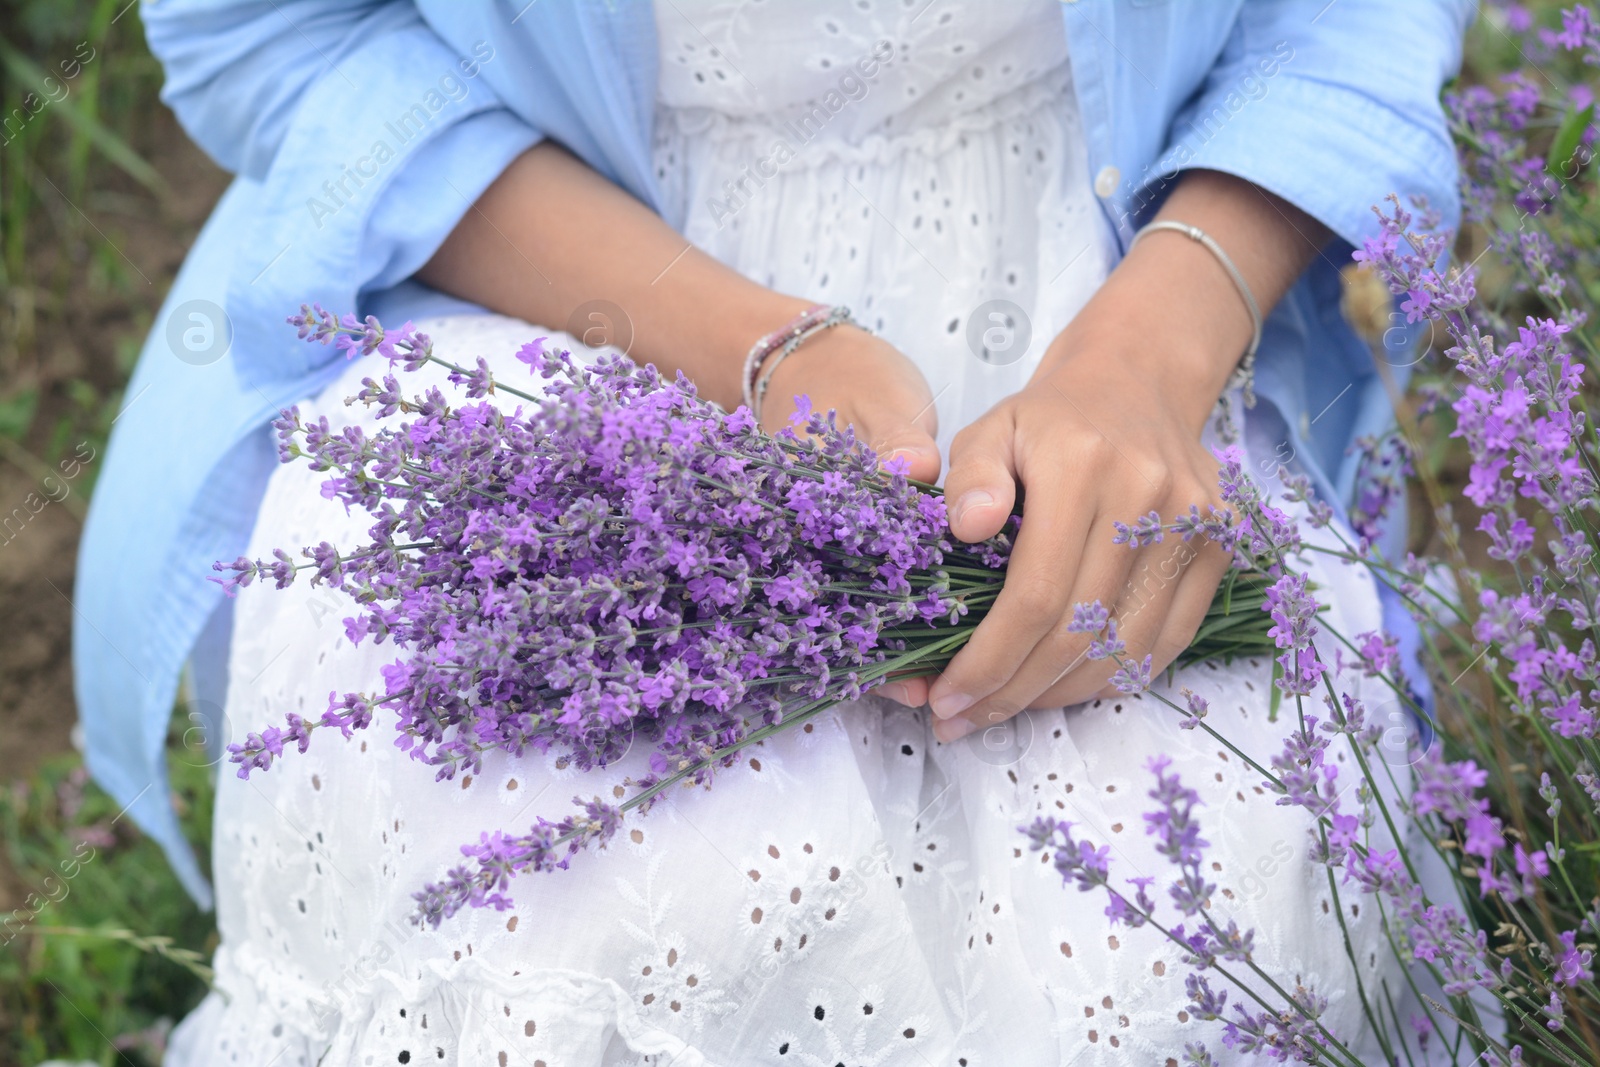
pixel 1104 438
pixel 682 309
pixel 871 386
pixel 880 392
pixel 1107 431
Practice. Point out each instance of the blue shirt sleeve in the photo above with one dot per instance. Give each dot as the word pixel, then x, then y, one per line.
pixel 1332 106
pixel 368 135
pixel 236 71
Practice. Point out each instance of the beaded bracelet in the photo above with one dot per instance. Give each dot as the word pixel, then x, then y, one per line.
pixel 771 343
pixel 1243 376
pixel 775 347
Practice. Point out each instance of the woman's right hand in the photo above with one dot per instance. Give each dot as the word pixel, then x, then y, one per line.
pixel 872 386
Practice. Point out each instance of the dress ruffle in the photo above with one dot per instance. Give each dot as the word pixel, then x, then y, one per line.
pixel 460 1012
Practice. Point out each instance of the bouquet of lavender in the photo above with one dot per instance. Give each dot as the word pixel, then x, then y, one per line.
pixel 622 561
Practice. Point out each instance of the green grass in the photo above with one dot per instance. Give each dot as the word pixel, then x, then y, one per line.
pixel 77 86
pixel 106 952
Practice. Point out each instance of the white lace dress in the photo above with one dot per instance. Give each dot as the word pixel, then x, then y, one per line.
pixel 857 893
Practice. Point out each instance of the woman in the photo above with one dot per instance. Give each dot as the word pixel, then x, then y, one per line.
pixel 691 177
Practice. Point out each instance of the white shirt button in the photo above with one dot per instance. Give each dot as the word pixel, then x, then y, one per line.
pixel 1106 182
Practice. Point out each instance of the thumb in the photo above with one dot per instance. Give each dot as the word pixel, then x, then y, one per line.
pixel 982 486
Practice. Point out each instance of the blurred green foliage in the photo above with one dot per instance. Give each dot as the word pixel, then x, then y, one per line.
pixel 101 951
pixel 77 88
pixel 104 951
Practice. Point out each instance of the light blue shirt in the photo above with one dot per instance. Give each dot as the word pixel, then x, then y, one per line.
pixel 362 130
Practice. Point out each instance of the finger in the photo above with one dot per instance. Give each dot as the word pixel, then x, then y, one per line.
pixel 903 427
pixel 1146 600
pixel 1196 588
pixel 981 488
pixel 1150 594
pixel 1037 590
pixel 1059 653
pixel 914 447
pixel 912 692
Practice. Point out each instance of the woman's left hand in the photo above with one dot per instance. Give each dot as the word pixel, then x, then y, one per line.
pixel 1109 430
pixel 1106 436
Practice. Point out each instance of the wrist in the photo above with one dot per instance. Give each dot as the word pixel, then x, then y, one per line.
pixel 1172 326
pixel 1127 356
pixel 733 333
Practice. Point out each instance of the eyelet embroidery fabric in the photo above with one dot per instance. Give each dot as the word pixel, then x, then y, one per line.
pixel 856 893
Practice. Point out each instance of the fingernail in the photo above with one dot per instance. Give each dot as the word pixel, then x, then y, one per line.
pixel 977 498
pixel 951 704
pixel 895 691
pixel 904 456
pixel 949 730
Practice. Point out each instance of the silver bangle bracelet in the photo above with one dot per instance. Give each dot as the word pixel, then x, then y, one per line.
pixel 1243 375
